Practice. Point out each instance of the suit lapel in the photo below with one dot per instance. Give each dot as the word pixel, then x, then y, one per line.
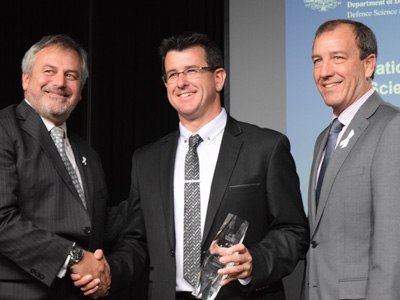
pixel 34 126
pixel 319 149
pixel 166 173
pixel 358 125
pixel 84 171
pixel 229 151
pixel 228 154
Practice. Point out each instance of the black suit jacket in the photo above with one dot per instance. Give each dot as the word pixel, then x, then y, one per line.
pixel 41 214
pixel 255 178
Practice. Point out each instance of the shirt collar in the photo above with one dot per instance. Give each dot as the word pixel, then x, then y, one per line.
pixel 348 114
pixel 49 125
pixel 208 132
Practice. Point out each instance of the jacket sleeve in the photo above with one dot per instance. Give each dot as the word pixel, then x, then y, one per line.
pixel 384 263
pixel 37 251
pixel 128 257
pixel 287 238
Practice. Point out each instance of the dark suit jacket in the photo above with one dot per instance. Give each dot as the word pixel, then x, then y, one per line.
pixel 255 178
pixel 41 214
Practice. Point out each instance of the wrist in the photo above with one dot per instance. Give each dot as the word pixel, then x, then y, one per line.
pixel 75 255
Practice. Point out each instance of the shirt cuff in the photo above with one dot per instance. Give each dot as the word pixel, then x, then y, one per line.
pixel 63 269
pixel 245 281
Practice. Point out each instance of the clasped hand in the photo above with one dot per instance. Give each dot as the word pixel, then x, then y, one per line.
pixel 92 274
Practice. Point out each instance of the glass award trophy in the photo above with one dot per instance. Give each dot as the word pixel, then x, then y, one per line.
pixel 232 232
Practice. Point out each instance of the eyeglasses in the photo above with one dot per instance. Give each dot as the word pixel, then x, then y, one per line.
pixel 189 73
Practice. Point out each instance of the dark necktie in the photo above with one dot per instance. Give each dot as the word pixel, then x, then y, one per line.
pixel 192 215
pixel 330 147
pixel 57 135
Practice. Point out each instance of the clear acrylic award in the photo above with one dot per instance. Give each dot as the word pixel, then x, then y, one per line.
pixel 232 232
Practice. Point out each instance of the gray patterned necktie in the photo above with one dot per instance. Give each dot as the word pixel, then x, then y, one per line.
pixel 192 216
pixel 58 136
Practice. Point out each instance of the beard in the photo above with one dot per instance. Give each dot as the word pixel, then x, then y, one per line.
pixel 53 109
pixel 61 111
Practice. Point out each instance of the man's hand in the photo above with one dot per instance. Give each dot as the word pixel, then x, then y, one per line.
pixel 92 274
pixel 243 263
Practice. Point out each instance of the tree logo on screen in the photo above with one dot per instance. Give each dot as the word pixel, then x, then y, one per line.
pixel 322 5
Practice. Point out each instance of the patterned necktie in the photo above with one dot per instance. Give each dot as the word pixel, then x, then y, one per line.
pixel 330 147
pixel 192 216
pixel 57 135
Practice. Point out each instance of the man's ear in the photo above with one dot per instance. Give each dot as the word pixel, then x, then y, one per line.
pixel 220 76
pixel 25 81
pixel 370 62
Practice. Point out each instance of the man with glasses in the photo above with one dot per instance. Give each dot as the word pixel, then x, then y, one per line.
pixel 235 167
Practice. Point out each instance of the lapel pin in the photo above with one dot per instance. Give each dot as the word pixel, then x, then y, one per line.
pixel 84 161
pixel 343 144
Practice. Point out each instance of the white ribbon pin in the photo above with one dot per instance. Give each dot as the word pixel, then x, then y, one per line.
pixel 343 144
pixel 84 160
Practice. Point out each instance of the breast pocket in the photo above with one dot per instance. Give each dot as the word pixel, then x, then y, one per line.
pixel 351 172
pixel 244 188
pixel 352 182
pixel 244 197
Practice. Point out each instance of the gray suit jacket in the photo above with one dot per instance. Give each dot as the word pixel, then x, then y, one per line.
pixel 255 178
pixel 41 214
pixel 355 236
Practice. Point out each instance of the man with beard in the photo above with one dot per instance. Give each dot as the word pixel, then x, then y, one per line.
pixel 53 196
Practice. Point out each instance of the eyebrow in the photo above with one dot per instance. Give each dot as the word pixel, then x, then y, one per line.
pixel 187 67
pixel 330 53
pixel 68 71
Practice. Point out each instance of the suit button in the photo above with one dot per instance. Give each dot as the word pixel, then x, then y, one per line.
pixel 172 253
pixel 314 244
pixel 87 231
pixel 41 276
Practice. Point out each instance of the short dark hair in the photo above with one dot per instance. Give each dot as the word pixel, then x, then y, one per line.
pixel 59 40
pixel 189 40
pixel 365 37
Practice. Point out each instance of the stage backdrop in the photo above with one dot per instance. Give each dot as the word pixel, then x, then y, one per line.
pixel 274 88
pixel 307 114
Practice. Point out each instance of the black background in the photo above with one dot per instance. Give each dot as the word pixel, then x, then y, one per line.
pixel 124 102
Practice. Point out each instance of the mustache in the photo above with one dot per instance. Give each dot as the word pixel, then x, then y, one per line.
pixel 60 91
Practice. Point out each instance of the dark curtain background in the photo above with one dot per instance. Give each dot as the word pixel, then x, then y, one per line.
pixel 23 23
pixel 128 99
pixel 124 103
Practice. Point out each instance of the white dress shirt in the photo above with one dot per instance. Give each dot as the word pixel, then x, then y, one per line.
pixel 208 151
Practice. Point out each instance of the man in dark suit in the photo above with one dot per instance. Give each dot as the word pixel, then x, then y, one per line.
pixel 243 169
pixel 53 199
pixel 354 203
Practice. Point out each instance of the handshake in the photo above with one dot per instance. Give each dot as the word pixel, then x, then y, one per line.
pixel 92 274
